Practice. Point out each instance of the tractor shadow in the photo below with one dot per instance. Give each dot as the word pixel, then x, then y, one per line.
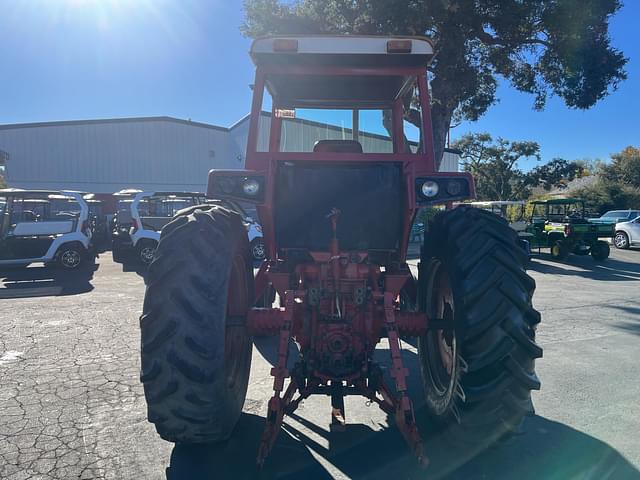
pixel 42 281
pixel 236 458
pixel 585 267
pixel 545 449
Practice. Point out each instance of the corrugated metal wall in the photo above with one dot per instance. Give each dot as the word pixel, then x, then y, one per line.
pixel 151 154
pixel 106 157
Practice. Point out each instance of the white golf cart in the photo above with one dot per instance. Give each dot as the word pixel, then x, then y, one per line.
pixel 44 226
pixel 150 211
pixel 120 224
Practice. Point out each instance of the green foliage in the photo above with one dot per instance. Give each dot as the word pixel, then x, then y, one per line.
pixel 494 165
pixel 624 168
pixel 604 196
pixel 542 47
pixel 618 186
pixel 556 173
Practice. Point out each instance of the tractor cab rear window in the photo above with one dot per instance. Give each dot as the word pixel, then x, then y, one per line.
pixel 304 129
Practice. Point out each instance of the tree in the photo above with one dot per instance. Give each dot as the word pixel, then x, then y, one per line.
pixel 556 173
pixel 618 185
pixel 494 165
pixel 542 47
pixel 624 168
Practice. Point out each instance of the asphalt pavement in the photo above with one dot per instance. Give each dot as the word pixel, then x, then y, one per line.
pixel 72 407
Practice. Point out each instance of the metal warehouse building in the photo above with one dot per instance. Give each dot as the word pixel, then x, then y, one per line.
pixel 150 153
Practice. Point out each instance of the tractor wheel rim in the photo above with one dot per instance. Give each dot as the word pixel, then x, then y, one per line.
pixel 146 254
pixel 258 251
pixel 237 309
pixel 442 345
pixel 620 241
pixel 555 250
pixel 70 258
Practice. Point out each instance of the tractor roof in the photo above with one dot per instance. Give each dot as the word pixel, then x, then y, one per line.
pixel 380 69
pixel 558 201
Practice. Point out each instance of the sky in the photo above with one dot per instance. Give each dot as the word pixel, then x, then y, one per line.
pixel 86 59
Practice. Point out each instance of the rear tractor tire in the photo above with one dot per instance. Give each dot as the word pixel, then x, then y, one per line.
pixel 478 363
pixel 600 251
pixel 196 353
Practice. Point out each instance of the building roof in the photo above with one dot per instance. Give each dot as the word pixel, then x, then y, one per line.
pixel 13 126
pixel 112 120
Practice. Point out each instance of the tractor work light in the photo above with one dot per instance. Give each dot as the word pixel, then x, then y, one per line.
pixel 285 45
pixel 250 187
pixel 430 188
pixel 443 188
pixel 399 46
pixel 236 184
pixel 454 187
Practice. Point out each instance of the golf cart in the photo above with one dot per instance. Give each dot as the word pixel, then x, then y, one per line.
pixel 44 226
pixel 254 230
pixel 148 213
pixel 560 225
pixel 98 222
pixel 120 224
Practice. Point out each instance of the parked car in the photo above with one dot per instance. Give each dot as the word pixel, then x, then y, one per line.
pixel 627 234
pixel 44 226
pixel 148 213
pixel 616 216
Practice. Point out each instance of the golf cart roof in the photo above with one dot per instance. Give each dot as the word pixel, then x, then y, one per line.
pixel 558 201
pixel 127 192
pixel 496 203
pixel 310 71
pixel 18 192
pixel 173 194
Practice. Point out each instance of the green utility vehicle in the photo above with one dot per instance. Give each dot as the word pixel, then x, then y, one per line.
pixel 560 225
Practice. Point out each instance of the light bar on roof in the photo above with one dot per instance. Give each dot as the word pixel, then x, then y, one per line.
pixel 399 46
pixel 285 45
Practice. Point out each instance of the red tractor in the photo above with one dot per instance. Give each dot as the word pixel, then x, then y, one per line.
pixel 336 216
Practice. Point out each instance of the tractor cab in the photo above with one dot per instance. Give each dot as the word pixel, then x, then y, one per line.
pixel 376 184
